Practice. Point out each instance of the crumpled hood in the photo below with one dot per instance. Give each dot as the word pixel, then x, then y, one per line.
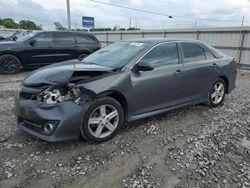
pixel 60 73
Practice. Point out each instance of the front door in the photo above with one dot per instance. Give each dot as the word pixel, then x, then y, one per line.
pixel 161 87
pixel 38 50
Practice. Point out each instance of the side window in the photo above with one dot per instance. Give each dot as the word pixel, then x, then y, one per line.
pixel 209 55
pixel 192 52
pixel 83 39
pixel 43 38
pixel 64 38
pixel 162 55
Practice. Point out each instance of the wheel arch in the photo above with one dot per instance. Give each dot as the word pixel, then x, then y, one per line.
pixel 226 81
pixel 117 96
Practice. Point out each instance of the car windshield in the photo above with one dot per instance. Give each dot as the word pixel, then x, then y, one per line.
pixel 115 55
pixel 25 37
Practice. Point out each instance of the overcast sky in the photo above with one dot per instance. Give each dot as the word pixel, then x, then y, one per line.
pixel 207 13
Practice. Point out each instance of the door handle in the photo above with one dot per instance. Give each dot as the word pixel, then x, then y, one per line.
pixel 178 72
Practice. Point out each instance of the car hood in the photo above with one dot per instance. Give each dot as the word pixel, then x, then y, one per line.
pixel 61 73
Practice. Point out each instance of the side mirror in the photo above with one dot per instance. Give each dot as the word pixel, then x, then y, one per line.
pixel 143 66
pixel 32 42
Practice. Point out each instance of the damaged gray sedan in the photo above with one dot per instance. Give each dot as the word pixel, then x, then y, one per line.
pixel 124 81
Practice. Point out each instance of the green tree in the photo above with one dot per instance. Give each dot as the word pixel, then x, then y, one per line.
pixel 29 25
pixel 9 23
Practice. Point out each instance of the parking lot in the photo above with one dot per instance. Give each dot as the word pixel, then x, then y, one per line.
pixel 191 147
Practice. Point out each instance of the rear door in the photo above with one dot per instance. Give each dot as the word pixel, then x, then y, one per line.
pixel 161 87
pixel 200 70
pixel 64 46
pixel 86 43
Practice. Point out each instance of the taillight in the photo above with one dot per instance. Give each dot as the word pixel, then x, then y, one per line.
pixel 235 61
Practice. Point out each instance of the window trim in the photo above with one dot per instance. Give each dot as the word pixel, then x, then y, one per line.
pixel 54 37
pixel 152 47
pixel 182 52
pixel 41 33
pixel 79 34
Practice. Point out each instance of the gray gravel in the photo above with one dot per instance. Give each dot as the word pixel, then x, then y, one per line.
pixel 191 147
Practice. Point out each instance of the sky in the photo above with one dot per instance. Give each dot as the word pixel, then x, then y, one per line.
pixel 185 13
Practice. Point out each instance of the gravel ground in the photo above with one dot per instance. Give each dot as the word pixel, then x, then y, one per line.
pixel 191 147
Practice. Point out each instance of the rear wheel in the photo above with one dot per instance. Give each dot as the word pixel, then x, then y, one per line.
pixel 217 93
pixel 102 120
pixel 9 64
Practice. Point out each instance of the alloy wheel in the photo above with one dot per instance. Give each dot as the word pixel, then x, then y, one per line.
pixel 103 121
pixel 218 92
pixel 9 64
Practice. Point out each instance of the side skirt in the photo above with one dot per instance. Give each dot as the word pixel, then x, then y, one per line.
pixel 156 112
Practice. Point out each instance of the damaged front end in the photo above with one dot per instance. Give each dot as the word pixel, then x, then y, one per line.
pixel 53 110
pixel 68 92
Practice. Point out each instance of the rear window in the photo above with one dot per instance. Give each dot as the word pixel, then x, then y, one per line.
pixel 64 38
pixel 84 39
pixel 193 52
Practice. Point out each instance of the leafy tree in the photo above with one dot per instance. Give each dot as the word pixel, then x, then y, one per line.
pixel 132 28
pixel 29 25
pixel 122 29
pixel 9 23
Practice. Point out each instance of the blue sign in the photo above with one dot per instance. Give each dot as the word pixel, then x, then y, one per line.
pixel 88 22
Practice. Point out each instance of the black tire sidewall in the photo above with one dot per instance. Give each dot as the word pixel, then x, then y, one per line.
pixel 18 64
pixel 84 126
pixel 210 102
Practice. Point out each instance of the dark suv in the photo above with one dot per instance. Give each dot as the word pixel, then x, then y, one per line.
pixel 42 48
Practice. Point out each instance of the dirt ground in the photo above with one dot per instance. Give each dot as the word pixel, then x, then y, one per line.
pixel 191 147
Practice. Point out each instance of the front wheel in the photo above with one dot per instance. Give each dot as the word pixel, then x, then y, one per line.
pixel 217 93
pixel 102 120
pixel 9 64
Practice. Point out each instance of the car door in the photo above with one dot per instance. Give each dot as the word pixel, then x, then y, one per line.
pixel 38 50
pixel 200 70
pixel 86 43
pixel 65 46
pixel 160 87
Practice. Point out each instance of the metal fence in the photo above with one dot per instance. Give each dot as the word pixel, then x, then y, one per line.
pixel 233 41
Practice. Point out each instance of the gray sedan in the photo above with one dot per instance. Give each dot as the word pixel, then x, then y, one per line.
pixel 124 81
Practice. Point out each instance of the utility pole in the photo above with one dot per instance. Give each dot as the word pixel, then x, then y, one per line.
pixel 242 22
pixel 195 24
pixel 130 22
pixel 68 15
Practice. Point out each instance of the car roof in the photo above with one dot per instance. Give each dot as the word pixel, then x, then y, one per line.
pixel 159 40
pixel 64 31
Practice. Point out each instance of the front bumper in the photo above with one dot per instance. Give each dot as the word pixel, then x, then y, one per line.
pixel 66 116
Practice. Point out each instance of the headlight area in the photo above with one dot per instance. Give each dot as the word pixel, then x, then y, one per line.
pixel 60 93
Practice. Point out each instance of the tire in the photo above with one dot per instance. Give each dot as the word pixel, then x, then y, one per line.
pixel 82 56
pixel 9 64
pixel 96 125
pixel 216 94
